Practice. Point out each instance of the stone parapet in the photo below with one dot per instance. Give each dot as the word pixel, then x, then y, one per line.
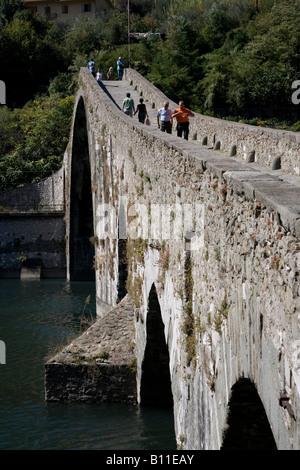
pixel 264 144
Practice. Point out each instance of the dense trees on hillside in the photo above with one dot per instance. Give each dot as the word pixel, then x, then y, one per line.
pixel 223 57
pixel 33 140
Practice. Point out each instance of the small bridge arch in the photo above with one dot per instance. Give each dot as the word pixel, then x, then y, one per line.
pixel 248 427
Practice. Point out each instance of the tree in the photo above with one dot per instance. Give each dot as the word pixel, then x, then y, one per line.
pixel 8 8
pixel 28 59
pixel 35 140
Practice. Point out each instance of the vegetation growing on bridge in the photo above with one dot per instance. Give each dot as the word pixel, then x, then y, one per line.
pixel 229 58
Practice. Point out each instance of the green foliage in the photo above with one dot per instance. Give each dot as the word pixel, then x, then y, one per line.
pixel 33 140
pixel 62 85
pixel 222 57
pixel 8 8
pixel 28 59
pixel 256 67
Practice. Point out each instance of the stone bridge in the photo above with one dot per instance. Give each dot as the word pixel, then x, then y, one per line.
pixel 195 252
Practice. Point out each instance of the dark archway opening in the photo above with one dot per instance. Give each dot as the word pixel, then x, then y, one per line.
pixel 122 253
pixel 81 250
pixel 248 425
pixel 123 271
pixel 156 383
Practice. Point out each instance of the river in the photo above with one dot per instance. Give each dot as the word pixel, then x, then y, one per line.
pixel 36 318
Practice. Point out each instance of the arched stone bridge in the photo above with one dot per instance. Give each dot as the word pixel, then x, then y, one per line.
pixel 194 247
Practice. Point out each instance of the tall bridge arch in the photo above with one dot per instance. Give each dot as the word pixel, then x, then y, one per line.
pixel 80 205
pixel 155 377
pixel 216 230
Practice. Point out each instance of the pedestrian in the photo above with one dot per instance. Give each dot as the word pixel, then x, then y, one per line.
pixel 142 111
pixel 110 74
pixel 99 76
pixel 182 116
pixel 120 68
pixel 164 118
pixel 91 66
pixel 128 105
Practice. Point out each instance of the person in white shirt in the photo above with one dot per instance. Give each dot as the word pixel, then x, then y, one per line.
pixel 99 76
pixel 164 118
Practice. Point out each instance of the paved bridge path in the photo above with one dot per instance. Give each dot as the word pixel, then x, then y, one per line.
pixel 118 89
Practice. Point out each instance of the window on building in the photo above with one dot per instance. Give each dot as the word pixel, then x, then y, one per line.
pixel 47 11
pixel 64 9
pixel 86 7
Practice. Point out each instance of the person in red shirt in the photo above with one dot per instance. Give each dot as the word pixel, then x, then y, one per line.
pixel 182 116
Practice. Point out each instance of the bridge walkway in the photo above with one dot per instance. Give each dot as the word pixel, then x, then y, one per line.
pixel 117 90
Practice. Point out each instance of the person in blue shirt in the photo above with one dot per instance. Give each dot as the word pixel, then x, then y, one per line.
pixel 91 66
pixel 164 118
pixel 120 68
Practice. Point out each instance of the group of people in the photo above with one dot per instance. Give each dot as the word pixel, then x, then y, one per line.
pixel 129 108
pixel 110 74
pixel 164 115
pixel 165 119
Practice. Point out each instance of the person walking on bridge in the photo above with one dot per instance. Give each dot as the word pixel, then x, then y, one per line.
pixel 182 116
pixel 120 68
pixel 164 118
pixel 99 76
pixel 91 66
pixel 128 105
pixel 142 111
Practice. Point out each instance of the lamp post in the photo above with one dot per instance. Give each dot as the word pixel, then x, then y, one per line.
pixel 128 33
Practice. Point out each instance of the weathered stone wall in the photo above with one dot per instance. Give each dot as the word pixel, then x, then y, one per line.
pixel 47 195
pixel 229 299
pixel 37 237
pixel 262 145
pixel 32 228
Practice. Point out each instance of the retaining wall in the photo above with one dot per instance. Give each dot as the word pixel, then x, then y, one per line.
pixel 33 228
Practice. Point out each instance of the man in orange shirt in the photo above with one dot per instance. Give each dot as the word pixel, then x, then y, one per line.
pixel 182 115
